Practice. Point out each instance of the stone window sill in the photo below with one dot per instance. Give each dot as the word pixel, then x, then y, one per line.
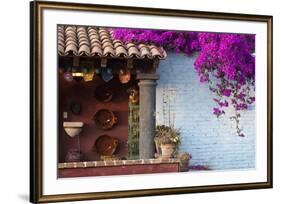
pixel 87 164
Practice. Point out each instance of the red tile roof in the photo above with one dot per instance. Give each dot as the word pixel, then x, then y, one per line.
pixel 97 41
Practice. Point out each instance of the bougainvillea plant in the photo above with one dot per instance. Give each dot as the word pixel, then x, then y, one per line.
pixel 225 61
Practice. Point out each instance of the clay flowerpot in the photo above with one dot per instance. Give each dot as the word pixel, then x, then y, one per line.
pixel 184 158
pixel 167 150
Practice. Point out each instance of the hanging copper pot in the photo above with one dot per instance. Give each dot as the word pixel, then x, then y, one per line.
pixel 104 93
pixel 104 119
pixel 106 145
pixel 88 76
pixel 124 76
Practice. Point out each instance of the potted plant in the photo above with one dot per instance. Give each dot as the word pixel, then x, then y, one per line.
pixel 167 140
pixel 184 158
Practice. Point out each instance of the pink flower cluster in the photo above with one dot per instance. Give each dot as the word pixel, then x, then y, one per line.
pixel 228 60
pixel 186 42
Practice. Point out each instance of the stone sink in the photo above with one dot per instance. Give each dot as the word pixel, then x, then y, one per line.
pixel 73 128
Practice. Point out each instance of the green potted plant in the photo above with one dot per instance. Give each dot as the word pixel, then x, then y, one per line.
pixel 167 141
pixel 184 158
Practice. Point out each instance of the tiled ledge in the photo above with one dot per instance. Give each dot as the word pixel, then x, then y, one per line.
pixel 86 164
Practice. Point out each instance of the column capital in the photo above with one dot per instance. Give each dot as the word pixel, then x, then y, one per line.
pixel 148 76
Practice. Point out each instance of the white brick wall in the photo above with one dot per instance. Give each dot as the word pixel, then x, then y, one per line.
pixel 212 142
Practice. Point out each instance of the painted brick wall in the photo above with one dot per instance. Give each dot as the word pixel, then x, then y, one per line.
pixel 183 101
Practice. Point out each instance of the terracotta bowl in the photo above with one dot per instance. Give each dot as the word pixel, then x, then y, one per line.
pixel 104 119
pixel 106 145
pixel 104 93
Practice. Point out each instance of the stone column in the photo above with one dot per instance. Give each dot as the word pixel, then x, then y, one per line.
pixel 147 87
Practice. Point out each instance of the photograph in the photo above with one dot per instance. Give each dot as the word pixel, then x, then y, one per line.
pixel 132 101
pixel 136 101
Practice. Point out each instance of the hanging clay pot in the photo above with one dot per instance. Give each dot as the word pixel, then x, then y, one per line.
pixel 88 76
pixel 106 74
pixel 104 93
pixel 68 76
pixel 124 76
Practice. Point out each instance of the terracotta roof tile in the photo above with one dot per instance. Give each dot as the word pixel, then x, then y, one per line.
pixel 96 41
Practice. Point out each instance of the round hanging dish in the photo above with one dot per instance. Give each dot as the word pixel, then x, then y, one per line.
pixel 106 145
pixel 104 119
pixel 104 93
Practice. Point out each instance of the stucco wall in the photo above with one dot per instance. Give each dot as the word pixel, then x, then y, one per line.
pixel 83 93
pixel 212 142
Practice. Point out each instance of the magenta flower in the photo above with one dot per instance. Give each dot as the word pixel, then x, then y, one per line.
pixel 226 92
pixel 217 111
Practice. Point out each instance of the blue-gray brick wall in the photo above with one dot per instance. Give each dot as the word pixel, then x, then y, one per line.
pixel 187 104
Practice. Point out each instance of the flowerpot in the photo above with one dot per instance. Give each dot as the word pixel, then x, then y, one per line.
pixel 184 166
pixel 167 150
pixel 184 158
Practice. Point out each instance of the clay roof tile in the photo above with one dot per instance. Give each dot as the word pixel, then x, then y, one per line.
pixel 96 41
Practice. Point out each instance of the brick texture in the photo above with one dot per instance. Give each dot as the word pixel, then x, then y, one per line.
pixel 119 170
pixel 185 102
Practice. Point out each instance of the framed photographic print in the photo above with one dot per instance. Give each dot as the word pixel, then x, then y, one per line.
pixel 130 101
